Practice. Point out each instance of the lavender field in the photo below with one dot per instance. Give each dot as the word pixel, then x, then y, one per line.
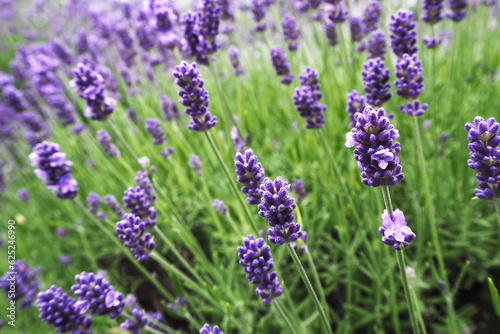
pixel 250 166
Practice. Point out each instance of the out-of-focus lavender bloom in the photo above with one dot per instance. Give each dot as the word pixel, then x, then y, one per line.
pixel 239 144
pixel 299 189
pixel 250 174
pixel 257 262
pixel 281 65
pixel 432 11
pixel 290 31
pixel 331 33
pixel 376 150
pixel 196 165
pixel 113 204
pixel 63 52
pixel 457 10
pixel 277 207
pixel 78 128
pixel 167 152
pixel 432 42
pixel 14 98
pixel 137 201
pixel 356 27
pixel 169 108
pixel 106 142
pixel 145 34
pixel 97 296
pixel 413 108
pixel 376 45
pixel 194 97
pixel 126 48
pixel 484 147
pixel 410 84
pixel 65 260
pixel 303 241
pixel 206 329
pixel 132 232
pixel 155 130
pixel 132 114
pixel 220 207
pixel 403 33
pixel 336 13
pixel 234 57
pixel 426 125
pixel 94 202
pixel 371 16
pixel 306 99
pixel 61 311
pixel 355 103
pixel 376 81
pixel 259 12
pixel 37 130
pixel 144 182
pixel 23 195
pixel 394 230
pixel 25 284
pixel 61 232
pixel 139 321
pixel 82 43
pixel 54 169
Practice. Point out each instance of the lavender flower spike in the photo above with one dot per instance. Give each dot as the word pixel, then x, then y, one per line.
pixel 113 204
pixel 394 230
pixel 220 207
pixel 281 65
pixel 206 329
pixel 432 11
pixel 376 151
pixel 356 27
pixel 355 103
pixel 194 97
pixel 132 232
pixel 403 33
pixel 106 142
pixel 155 130
pixel 484 146
pixel 250 173
pixel 234 57
pixel 290 31
pixel 410 84
pixel 376 45
pixel 376 80
pixel 306 99
pixel 277 207
pixel 259 12
pixel 26 284
pixel 196 165
pixel 457 8
pixel 94 202
pixel 371 16
pixel 331 33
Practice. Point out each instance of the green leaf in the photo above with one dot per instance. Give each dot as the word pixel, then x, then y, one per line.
pixel 495 298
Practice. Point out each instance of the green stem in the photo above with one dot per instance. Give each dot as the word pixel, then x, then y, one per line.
pixel 497 207
pixel 310 289
pixel 317 281
pixel 402 270
pixel 231 181
pixel 434 233
pixel 283 315
pixel 122 139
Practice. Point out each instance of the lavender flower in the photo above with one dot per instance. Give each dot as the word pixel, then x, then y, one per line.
pixel 376 152
pixel 337 13
pixel 196 165
pixel 134 326
pixel 24 195
pixel 357 29
pixel 169 108
pixel 234 57
pixel 376 45
pixel 250 173
pixel 54 169
pixel 484 146
pixel 239 144
pixel 299 189
pixel 96 295
pixel 132 231
pixel 113 204
pixel 432 42
pixel 65 260
pixel 277 207
pixel 355 103
pixel 61 232
pixel 14 98
pixel 257 262
pixel 432 11
pixel 194 97
pixel 132 114
pixel 331 33
pixel 167 152
pixel 59 310
pixel 259 12
pixel 137 201
pixel 371 16
pixel 24 282
pixel 206 329
pixel 220 207
pixel 281 65
pixel 303 240
pixel 410 84
pixel 376 80
pixel 94 202
pixel 290 31
pixel 394 230
pixel 403 33
pixel 37 130
pixel 155 130
pixel 306 99
pixel 457 8
pixel 106 142
pixel 63 52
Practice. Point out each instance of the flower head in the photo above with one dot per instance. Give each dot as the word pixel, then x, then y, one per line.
pixel 355 103
pixel 371 16
pixel 394 230
pixel 250 174
pixel 25 281
pixel 403 33
pixel 206 329
pixel 457 10
pixel 155 131
pixel 106 142
pixel 376 80
pixel 281 65
pixel 132 232
pixel 290 31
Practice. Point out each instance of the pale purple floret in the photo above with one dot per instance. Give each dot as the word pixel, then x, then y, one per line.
pixel 206 329
pixel 394 230
pixel 113 204
pixel 234 58
pixel 94 202
pixel 220 207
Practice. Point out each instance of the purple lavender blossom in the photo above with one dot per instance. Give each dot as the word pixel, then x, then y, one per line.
pixel 37 130
pixel 306 99
pixel 137 201
pixel 169 108
pixel 54 169
pixel 299 189
pixel 410 84
pixel 257 262
pixel 234 58
pixel 331 33
pixel 206 329
pixel 132 231
pixel 290 31
pixel 239 144
pixel 432 11
pixel 457 10
pixel 96 295
pixel 167 152
pixel 220 207
pixel 61 232
pixel 59 310
pixel 113 204
pixel 484 147
pixel 194 97
pixel 134 326
pixel 132 115
pixel 64 260
pixel 413 108
pixel 155 130
pixel 24 195
pixel 376 45
pixel 250 174
pixel 357 29
pixel 94 202
pixel 336 13
pixel 14 98
pixel 196 165
pixel 277 207
pixel 376 81
pixel 376 151
pixel 394 230
pixel 303 240
pixel 403 33
pixel 63 52
pixel 25 284
pixel 259 12
pixel 281 65
pixel 432 42
pixel 355 103
pixel 106 142
pixel 371 16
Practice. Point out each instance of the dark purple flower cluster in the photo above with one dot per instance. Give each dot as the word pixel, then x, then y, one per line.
pixel 169 108
pixel 94 202
pixel 90 85
pixel 299 189
pixel 132 232
pixel 281 65
pixel 432 42
pixel 206 329
pixel 137 201
pixel 220 207
pixel 432 11
pixel 13 97
pixel 250 173
pixel 457 10
pixel 234 57
pixel 155 131
pixel 355 103
pixel 410 84
pixel 113 204
pixel 194 97
pixel 259 8
pixel 395 231
pixel 403 33
pixel 356 27
pixel 484 146
pixel 21 284
pixel 376 81
pixel 331 33
pixel 277 207
pixel 376 45
pixel 257 262
pixel 376 150
pixel 106 142
pixel 54 169
pixel 290 31
pixel 63 52
pixel 97 296
pixel 336 12
pixel 306 99
pixel 371 16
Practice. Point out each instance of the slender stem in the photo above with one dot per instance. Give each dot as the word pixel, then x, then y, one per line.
pixel 402 270
pixel 317 281
pixel 497 207
pixel 227 109
pixel 420 319
pixel 231 181
pixel 310 289
pixel 122 139
pixel 283 315
pixel 387 199
pixel 434 233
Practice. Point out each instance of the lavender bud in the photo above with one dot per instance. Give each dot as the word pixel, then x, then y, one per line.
pixel 250 174
pixel 376 80
pixel 106 142
pixel 290 31
pixel 234 57
pixel 155 130
pixel 403 33
pixel 281 65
